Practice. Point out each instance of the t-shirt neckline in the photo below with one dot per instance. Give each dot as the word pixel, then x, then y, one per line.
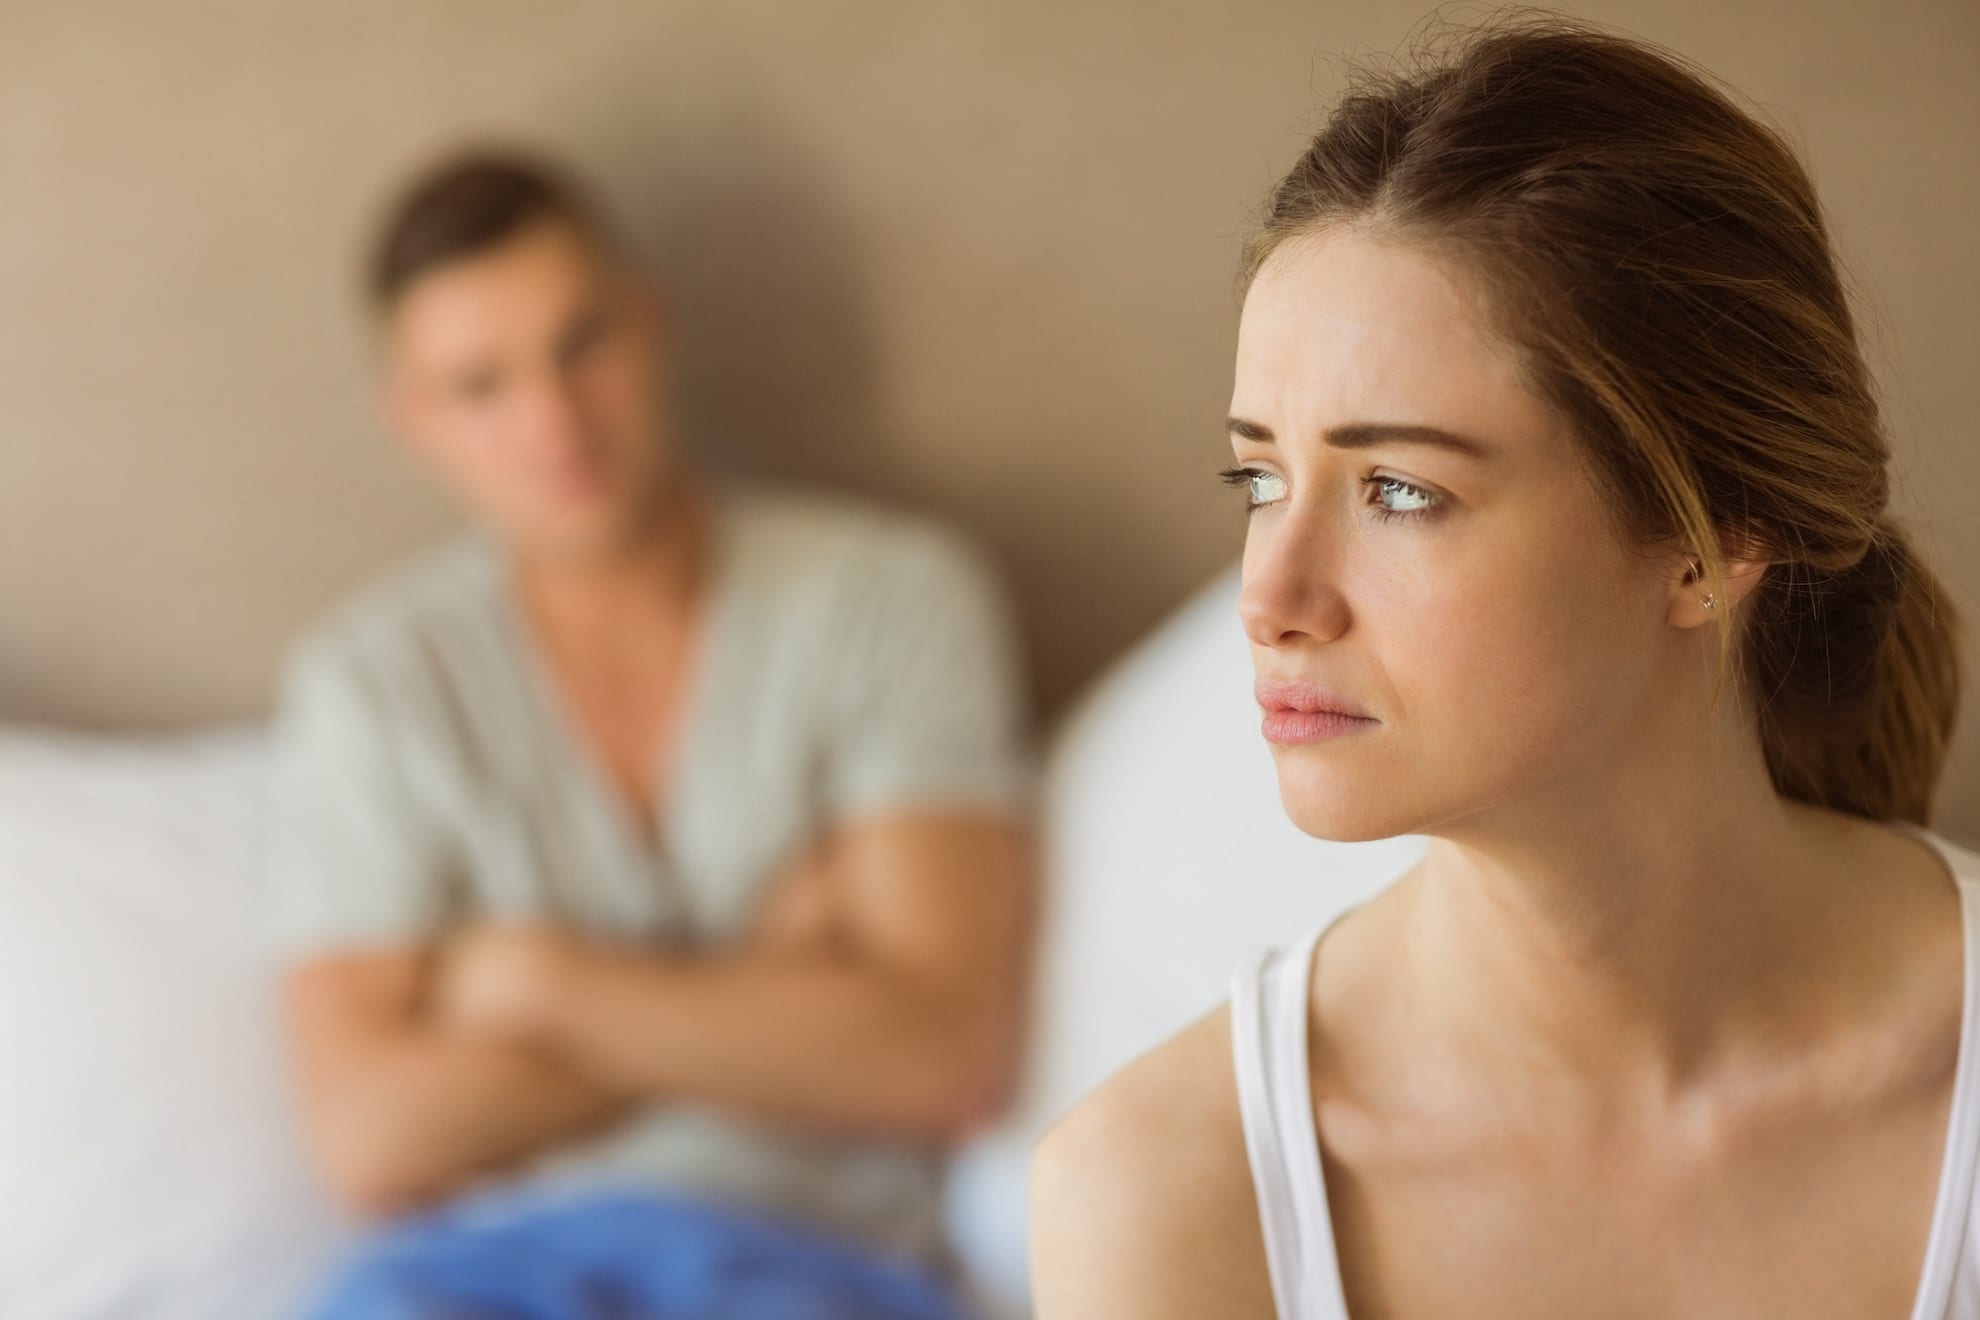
pixel 705 668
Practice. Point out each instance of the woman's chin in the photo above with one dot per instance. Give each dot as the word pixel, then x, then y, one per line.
pixel 1324 811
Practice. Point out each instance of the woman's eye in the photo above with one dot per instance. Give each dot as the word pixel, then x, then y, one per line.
pixel 1261 487
pixel 1392 496
pixel 1416 502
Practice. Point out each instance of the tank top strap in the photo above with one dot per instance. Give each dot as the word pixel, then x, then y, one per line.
pixel 1268 1045
pixel 1960 1171
pixel 1949 1286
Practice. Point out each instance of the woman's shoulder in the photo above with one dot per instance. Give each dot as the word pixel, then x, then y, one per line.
pixel 1141 1196
pixel 1182 1083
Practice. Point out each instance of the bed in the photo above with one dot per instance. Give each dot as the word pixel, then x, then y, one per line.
pixel 149 1165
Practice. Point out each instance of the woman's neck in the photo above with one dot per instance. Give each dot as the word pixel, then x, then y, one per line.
pixel 1633 933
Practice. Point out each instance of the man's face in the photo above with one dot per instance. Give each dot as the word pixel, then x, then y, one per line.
pixel 528 378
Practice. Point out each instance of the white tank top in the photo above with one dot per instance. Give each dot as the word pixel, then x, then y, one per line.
pixel 1268 1041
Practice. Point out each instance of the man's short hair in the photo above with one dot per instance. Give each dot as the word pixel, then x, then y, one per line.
pixel 469 203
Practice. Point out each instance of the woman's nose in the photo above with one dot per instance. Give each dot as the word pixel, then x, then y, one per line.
pixel 1289 592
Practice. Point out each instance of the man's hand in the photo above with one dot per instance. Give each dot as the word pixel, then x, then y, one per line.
pixel 502 979
pixel 804 907
pixel 401 1109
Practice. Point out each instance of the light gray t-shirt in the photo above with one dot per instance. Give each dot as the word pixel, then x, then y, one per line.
pixel 855 657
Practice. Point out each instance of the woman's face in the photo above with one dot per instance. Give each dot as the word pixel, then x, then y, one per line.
pixel 1478 607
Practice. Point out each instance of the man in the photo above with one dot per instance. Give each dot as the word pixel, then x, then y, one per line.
pixel 660 831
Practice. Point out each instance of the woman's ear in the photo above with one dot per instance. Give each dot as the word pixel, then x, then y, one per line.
pixel 1749 554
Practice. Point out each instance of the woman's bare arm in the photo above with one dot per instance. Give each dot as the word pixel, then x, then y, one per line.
pixel 1141 1197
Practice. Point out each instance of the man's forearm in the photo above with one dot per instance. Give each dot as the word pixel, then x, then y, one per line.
pixel 892 1010
pixel 426 1111
pixel 816 1039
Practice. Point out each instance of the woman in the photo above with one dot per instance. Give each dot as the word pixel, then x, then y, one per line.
pixel 1567 549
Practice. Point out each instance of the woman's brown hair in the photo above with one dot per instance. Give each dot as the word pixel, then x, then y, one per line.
pixel 1659 260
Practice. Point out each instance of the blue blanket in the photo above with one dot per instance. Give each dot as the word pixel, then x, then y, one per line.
pixel 623 1255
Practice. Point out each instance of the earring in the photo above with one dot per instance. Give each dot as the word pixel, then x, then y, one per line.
pixel 1696 569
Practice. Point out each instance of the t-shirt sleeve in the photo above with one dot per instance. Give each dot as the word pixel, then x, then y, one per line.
pixel 354 861
pixel 929 703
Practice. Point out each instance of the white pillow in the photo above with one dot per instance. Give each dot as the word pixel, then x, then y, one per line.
pixel 1168 854
pixel 148 1163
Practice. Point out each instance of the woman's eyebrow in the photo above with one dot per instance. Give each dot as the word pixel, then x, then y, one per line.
pixel 1362 435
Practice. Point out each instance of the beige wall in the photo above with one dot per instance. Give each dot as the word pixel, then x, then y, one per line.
pixel 978 255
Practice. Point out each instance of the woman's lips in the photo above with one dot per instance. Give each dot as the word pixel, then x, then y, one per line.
pixel 1290 728
pixel 1298 712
